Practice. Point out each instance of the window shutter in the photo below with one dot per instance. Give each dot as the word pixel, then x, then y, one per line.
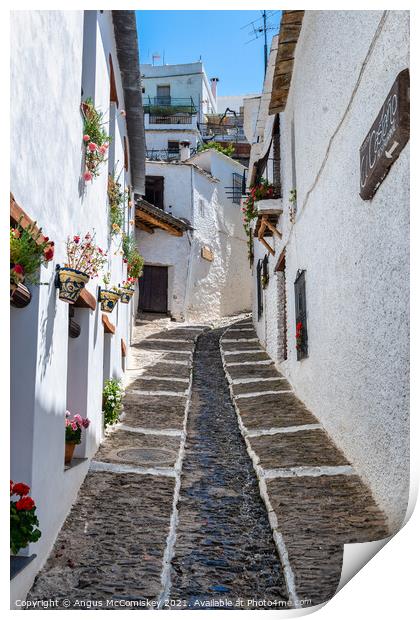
pixel 259 290
pixel 300 313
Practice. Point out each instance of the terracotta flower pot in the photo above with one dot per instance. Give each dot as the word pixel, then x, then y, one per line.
pixel 72 281
pixel 126 294
pixel 108 300
pixel 68 455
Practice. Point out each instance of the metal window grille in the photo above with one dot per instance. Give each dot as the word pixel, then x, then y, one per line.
pixel 300 315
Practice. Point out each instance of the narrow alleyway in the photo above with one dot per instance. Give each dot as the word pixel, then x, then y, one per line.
pixel 224 546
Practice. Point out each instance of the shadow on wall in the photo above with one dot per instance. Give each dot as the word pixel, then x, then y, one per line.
pixel 47 326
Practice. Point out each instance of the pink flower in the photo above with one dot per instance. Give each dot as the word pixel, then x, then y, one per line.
pixel 102 150
pixel 78 418
pixel 87 235
pixel 92 147
pixel 85 423
pixel 86 138
pixel 87 176
pixel 74 426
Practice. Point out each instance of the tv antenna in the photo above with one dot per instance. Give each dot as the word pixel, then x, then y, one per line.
pixel 259 28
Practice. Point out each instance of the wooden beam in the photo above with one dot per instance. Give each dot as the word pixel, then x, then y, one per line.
pixel 109 328
pixel 86 300
pixel 146 228
pixel 281 263
pixel 261 230
pixel 273 228
pixel 18 215
pixel 141 215
pixel 269 248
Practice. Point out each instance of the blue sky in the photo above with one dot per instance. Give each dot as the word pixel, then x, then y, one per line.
pixel 216 36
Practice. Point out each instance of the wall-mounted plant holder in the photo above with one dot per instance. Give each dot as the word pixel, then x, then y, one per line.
pixel 70 283
pixel 126 294
pixel 108 299
pixel 20 296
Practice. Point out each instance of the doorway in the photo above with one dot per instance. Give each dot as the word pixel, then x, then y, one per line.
pixel 153 289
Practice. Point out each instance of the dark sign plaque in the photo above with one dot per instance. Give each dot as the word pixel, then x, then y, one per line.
pixel 386 138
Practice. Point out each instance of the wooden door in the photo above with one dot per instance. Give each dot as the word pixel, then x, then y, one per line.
pixel 153 289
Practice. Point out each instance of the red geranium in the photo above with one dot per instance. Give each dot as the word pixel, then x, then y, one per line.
pixel 49 253
pixel 20 488
pixel 18 269
pixel 25 503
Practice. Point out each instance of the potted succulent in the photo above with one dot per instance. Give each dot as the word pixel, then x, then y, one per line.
pixel 127 290
pixel 74 427
pixel 84 259
pixel 29 248
pixel 109 295
pixel 23 520
pixel 95 140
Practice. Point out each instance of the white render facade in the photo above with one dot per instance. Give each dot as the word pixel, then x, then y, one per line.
pixel 51 372
pixel 354 252
pixel 195 191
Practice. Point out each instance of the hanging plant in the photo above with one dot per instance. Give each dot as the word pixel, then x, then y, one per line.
pixel 127 290
pixel 131 257
pixel 110 295
pixel 23 520
pixel 84 260
pixel 95 139
pixel 29 248
pixel 117 198
pixel 259 191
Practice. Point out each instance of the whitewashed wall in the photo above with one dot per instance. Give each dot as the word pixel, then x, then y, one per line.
pixel 355 252
pixel 51 373
pixel 198 288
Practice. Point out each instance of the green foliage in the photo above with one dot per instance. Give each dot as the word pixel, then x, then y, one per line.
pixel 95 138
pixel 228 150
pixel 131 255
pixel 28 249
pixel 116 197
pixel 112 401
pixel 23 528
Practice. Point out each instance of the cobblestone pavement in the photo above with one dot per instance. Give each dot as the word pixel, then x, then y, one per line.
pixel 224 553
pixel 218 488
pixel 315 501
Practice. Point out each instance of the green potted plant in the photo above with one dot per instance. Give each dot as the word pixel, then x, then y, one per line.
pixel 109 295
pixel 95 140
pixel 112 401
pixel 84 260
pixel 127 290
pixel 74 427
pixel 29 248
pixel 117 198
pixel 23 520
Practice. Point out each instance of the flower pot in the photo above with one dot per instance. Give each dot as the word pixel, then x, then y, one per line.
pixel 68 455
pixel 126 294
pixel 71 281
pixel 108 300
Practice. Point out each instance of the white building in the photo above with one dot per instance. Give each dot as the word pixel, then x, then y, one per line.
pixel 176 101
pixel 341 265
pixel 58 59
pixel 192 240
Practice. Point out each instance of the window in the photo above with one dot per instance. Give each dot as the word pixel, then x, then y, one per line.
pixel 300 312
pixel 173 149
pixel 201 207
pixel 163 95
pixel 154 191
pixel 282 305
pixel 236 188
pixel 259 290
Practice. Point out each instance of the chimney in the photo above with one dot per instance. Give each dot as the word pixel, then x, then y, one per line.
pixel 184 151
pixel 213 83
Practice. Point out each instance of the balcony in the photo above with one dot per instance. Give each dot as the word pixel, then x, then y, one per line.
pixel 165 154
pixel 169 106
